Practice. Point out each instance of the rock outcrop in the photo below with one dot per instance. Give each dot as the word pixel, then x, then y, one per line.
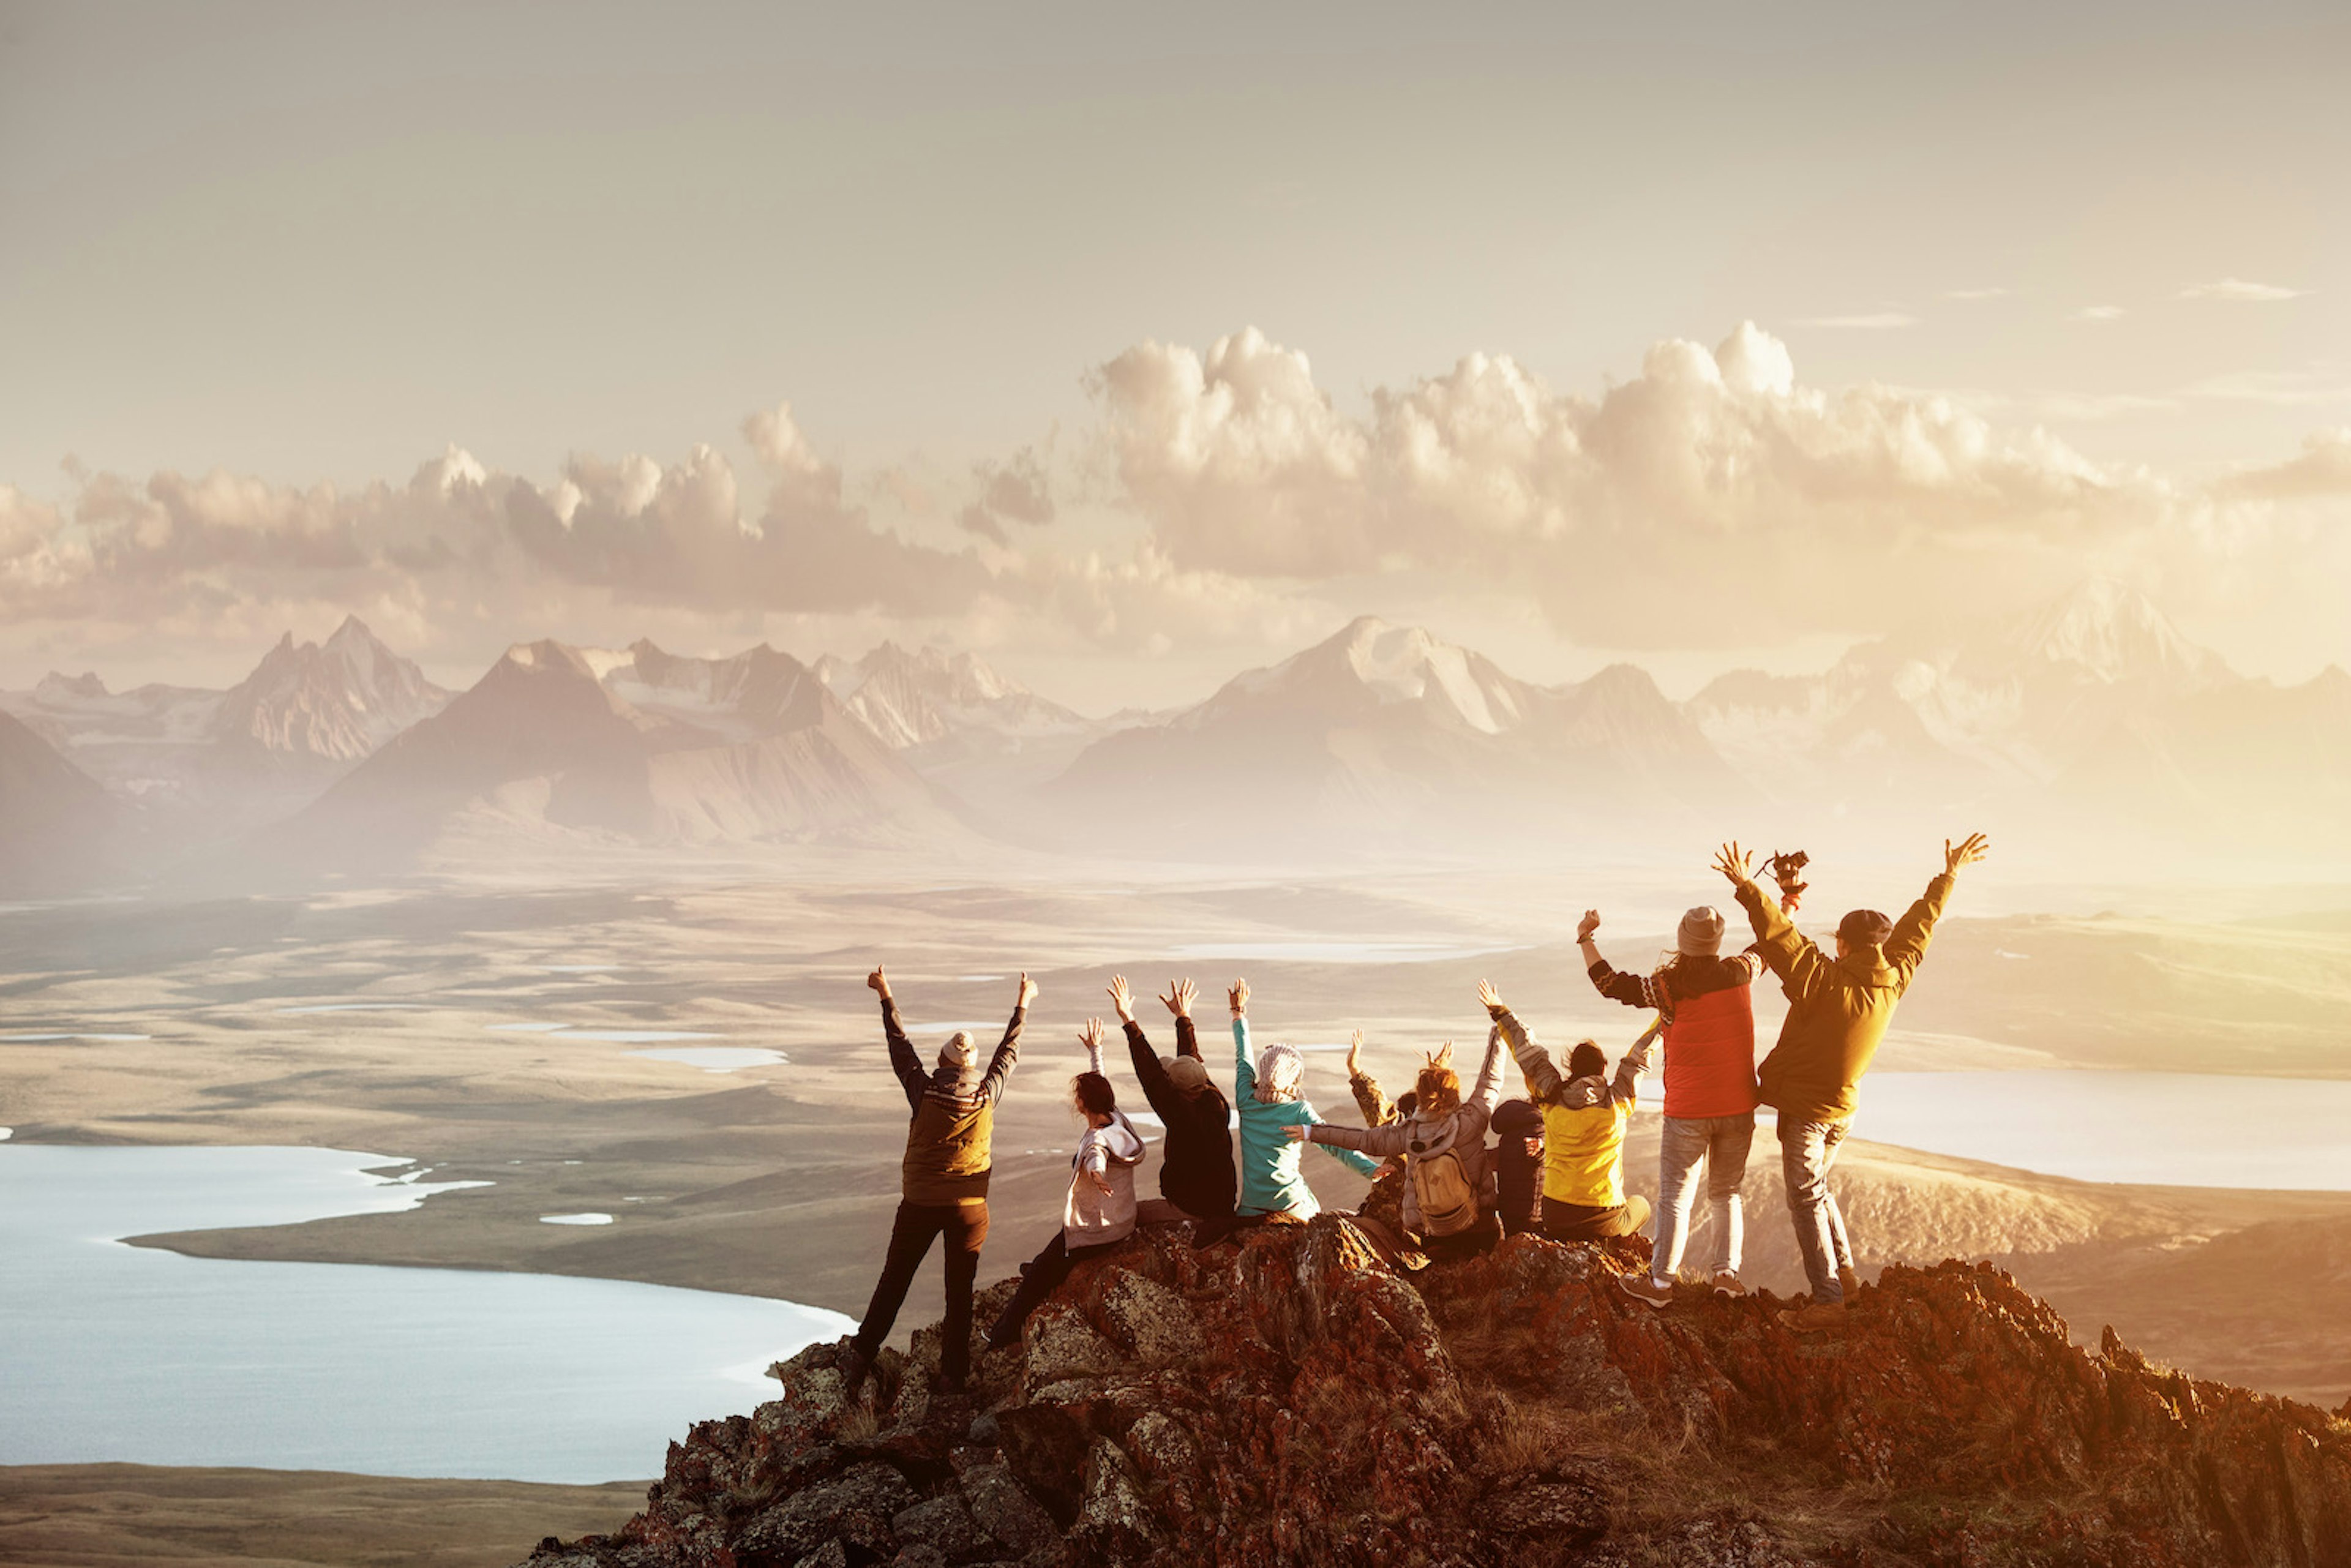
pixel 1290 1398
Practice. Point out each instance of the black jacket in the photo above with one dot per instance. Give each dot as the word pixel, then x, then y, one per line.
pixel 1195 1165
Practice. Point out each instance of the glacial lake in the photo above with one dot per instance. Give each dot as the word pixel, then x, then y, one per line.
pixel 2173 1129
pixel 133 1354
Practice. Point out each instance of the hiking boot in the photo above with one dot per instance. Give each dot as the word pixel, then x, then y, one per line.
pixel 1849 1281
pixel 1726 1283
pixel 853 1372
pixel 1813 1315
pixel 1659 1293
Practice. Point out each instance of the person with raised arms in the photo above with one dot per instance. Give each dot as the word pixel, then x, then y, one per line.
pixel 943 1180
pixel 1268 1094
pixel 1838 1011
pixel 1195 1164
pixel 1584 1113
pixel 1098 1212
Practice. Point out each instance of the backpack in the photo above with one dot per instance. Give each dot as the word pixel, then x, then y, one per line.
pixel 1441 1187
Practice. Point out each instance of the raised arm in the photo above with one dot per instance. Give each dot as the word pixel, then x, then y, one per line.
pixel 1244 1065
pixel 1542 1073
pixel 1148 1072
pixel 1787 952
pixel 902 1059
pixel 1008 1051
pixel 1179 1000
pixel 1636 1061
pixel 1632 990
pixel 1917 926
pixel 1489 1091
pixel 1377 1109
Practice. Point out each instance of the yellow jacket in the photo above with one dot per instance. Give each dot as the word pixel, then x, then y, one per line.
pixel 1583 1118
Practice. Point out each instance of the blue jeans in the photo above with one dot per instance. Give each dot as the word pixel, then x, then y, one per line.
pixel 1720 1145
pixel 1807 1150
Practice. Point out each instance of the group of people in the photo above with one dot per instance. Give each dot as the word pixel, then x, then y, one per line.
pixel 1557 1168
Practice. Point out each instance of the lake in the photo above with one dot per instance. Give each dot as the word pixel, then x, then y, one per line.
pixel 117 1353
pixel 2178 1129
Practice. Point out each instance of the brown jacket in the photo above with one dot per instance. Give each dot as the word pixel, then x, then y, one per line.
pixel 948 1151
pixel 1837 1007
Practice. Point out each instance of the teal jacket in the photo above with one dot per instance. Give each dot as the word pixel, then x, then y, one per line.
pixel 1270 1180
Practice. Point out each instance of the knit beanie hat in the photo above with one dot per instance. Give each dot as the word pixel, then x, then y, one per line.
pixel 959 1052
pixel 1700 936
pixel 1280 1070
pixel 1866 928
pixel 1188 1074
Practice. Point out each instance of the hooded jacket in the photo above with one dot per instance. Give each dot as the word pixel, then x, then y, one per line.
pixel 1710 1029
pixel 1271 1182
pixel 1100 1208
pixel 1838 1009
pixel 1460 1132
pixel 948 1142
pixel 1195 1164
pixel 1583 1118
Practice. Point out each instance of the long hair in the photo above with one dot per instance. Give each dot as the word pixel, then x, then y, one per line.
pixel 1438 1092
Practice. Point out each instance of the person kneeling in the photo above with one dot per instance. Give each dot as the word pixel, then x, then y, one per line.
pixel 1585 1114
pixel 1099 1212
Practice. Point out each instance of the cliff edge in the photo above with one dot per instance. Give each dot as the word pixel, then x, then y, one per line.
pixel 1291 1398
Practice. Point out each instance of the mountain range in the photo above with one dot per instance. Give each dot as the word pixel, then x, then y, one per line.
pixel 2091 717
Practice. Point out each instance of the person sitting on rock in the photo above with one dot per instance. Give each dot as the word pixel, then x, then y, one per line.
pixel 1267 1093
pixel 943 1180
pixel 1707 1006
pixel 1585 1114
pixel 1518 1165
pixel 1099 1211
pixel 1443 1144
pixel 1838 1011
pixel 1196 1179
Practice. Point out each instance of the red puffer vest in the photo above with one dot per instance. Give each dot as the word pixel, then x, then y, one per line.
pixel 1710 1055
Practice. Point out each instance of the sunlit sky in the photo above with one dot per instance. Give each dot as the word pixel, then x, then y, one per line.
pixel 462 317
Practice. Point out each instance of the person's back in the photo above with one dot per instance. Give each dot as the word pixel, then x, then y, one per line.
pixel 1585 1112
pixel 1267 1106
pixel 1518 1164
pixel 1196 1167
pixel 1443 1144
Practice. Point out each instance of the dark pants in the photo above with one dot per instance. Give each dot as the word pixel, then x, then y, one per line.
pixel 1046 1271
pixel 964 1225
pixel 1480 1238
pixel 1575 1222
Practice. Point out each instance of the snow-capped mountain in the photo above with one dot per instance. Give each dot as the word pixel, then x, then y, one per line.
pixel 921 698
pixel 55 820
pixel 645 746
pixel 1386 730
pixel 333 702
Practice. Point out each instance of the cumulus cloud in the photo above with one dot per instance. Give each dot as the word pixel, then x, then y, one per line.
pixel 2238 291
pixel 2323 467
pixel 1710 498
pixel 1014 491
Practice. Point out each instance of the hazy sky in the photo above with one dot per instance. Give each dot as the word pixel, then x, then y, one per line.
pixel 1132 347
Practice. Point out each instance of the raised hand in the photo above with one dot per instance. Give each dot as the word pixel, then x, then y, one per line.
pixel 1488 997
pixel 1027 990
pixel 1356 1055
pixel 1444 1057
pixel 1091 1037
pixel 1734 862
pixel 1238 998
pixel 1973 848
pixel 878 982
pixel 1121 997
pixel 1587 925
pixel 1178 999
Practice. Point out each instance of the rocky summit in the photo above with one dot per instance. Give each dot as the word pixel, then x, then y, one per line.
pixel 1291 1398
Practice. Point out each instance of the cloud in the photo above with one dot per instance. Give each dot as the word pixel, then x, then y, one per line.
pixel 2100 313
pixel 1875 321
pixel 2238 291
pixel 1711 499
pixel 1014 491
pixel 2323 467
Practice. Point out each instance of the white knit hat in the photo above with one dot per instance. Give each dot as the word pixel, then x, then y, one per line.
pixel 959 1052
pixel 1280 1070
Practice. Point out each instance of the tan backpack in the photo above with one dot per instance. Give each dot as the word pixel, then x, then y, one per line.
pixel 1447 1197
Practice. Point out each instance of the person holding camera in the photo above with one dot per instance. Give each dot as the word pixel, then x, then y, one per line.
pixel 1838 1011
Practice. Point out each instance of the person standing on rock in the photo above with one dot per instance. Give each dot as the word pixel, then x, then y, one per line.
pixel 1099 1211
pixel 943 1181
pixel 1838 1011
pixel 1584 1113
pixel 1196 1163
pixel 1267 1092
pixel 1709 1011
